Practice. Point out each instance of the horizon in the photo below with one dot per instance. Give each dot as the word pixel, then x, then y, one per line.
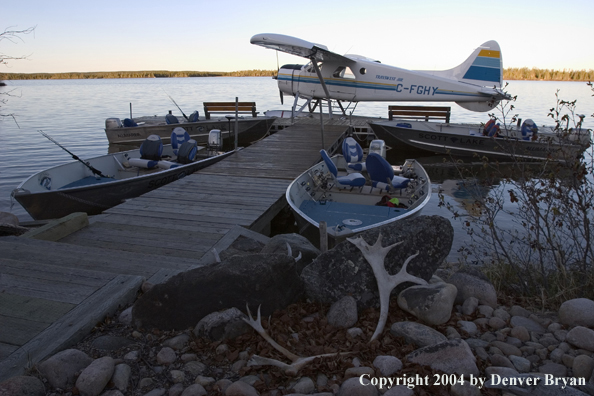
pixel 134 35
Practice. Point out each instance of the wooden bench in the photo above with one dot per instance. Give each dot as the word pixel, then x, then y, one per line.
pixel 229 108
pixel 419 113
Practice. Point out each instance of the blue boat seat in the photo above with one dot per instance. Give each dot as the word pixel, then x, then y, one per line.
pixel 151 148
pixel 128 122
pixel 353 154
pixel 194 117
pixel 381 173
pixel 187 152
pixel 351 180
pixel 171 119
pixel 178 136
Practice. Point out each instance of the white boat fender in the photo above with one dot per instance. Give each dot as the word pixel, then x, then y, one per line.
pixel 143 163
pixel 167 164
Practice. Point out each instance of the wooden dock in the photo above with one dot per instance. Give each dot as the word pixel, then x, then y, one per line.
pixel 53 293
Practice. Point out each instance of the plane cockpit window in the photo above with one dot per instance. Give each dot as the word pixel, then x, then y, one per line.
pixel 310 68
pixel 343 72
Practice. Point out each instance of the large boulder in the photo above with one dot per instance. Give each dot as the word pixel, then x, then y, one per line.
pixel 298 244
pixel 471 282
pixel 344 271
pixel 269 280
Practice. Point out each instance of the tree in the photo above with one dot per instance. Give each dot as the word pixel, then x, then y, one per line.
pixel 12 36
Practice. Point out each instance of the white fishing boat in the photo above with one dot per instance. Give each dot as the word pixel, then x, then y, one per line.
pixel 353 194
pixel 526 141
pixel 100 183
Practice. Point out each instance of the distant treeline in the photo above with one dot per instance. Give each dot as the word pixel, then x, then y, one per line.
pixel 513 73
pixel 524 73
pixel 133 74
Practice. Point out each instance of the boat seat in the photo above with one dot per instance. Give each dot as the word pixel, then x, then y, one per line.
pixel 187 152
pixel 194 117
pixel 128 122
pixel 171 119
pixel 178 136
pixel 353 154
pixel 151 148
pixel 381 173
pixel 350 180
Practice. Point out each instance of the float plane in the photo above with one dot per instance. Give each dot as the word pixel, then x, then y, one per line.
pixel 475 84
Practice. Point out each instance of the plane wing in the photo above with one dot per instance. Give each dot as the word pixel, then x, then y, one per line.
pixel 299 47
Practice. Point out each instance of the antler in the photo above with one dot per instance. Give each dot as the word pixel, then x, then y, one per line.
pixel 375 256
pixel 297 362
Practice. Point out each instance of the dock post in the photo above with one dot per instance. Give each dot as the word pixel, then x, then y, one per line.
pixel 236 119
pixel 323 237
pixel 322 125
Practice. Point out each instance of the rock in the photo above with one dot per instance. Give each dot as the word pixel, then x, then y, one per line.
pixel 343 313
pixel 516 310
pixel 194 390
pixel 344 271
pixel 506 348
pixel 241 388
pixel 417 333
pixel 355 387
pixel 529 324
pixel 496 323
pixel 521 333
pixel 93 379
pixel 178 342
pixel 466 389
pixel 224 325
pixel 468 327
pixel 355 332
pixel 521 364
pixel 269 280
pixel 242 246
pixel 121 376
pixel 175 390
pixel 470 305
pixel 501 314
pixel 195 368
pixel 485 310
pixel 110 343
pixel 555 369
pixel 581 337
pixel 22 386
pixel 501 361
pixel 470 282
pixel 156 392
pixel 177 376
pixel 299 244
pixel 451 356
pixel 358 372
pixel 583 365
pixel 387 365
pixel 61 369
pixel 430 303
pixel 577 312
pixel 126 316
pixel 399 390
pixel 305 386
pixel 166 356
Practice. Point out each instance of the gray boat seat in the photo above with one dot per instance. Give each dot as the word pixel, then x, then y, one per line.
pixel 381 173
pixel 171 119
pixel 178 136
pixel 194 117
pixel 350 180
pixel 353 154
pixel 150 153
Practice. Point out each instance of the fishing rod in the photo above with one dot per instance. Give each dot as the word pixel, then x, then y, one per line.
pixel 186 117
pixel 91 168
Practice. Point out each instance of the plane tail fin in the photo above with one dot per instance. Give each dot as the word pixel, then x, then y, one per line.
pixel 483 67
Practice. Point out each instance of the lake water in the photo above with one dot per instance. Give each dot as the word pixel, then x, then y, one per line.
pixel 73 112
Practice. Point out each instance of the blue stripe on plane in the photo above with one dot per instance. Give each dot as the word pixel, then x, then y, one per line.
pixel 366 85
pixel 483 74
pixel 487 62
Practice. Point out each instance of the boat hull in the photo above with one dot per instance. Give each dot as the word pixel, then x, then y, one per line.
pixel 96 198
pixel 458 141
pixel 250 129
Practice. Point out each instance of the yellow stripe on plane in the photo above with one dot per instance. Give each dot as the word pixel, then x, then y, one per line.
pixel 490 53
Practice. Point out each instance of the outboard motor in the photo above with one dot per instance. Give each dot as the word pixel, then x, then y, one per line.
pixel 378 146
pixel 529 130
pixel 215 141
pixel 112 123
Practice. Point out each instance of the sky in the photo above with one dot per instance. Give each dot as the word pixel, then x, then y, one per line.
pixel 199 35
